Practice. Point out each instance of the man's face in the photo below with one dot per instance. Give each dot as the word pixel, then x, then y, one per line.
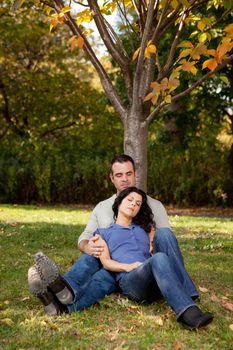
pixel 123 175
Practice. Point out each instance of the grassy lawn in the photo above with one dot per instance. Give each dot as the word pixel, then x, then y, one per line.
pixel 115 323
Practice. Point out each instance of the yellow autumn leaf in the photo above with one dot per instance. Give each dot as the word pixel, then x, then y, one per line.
pixel 148 96
pixel 211 64
pixel 186 44
pixel 224 79
pixel 72 42
pixel 189 67
pixel 80 42
pixel 66 9
pixel 229 30
pixel 203 37
pixel 54 23
pixel 164 84
pixel 87 31
pixel 201 25
pixel 174 4
pixel 151 48
pixel 199 50
pixel 60 17
pixel 211 52
pixel 224 47
pixel 155 86
pixel 185 3
pixel 193 70
pixel 184 53
pixel 84 16
pixel 135 55
pixel 127 3
pixel 173 83
pixel 168 99
pixel 194 33
pixel 155 99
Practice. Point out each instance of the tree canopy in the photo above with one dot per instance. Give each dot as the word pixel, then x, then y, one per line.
pixel 166 39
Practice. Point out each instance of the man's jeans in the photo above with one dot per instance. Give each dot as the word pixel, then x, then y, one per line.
pixel 154 277
pixel 91 282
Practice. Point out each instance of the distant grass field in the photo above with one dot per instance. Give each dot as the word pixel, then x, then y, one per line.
pixel 116 323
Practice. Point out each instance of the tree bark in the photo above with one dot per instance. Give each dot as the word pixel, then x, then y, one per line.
pixel 135 145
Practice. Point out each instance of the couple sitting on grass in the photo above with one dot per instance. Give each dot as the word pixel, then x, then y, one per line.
pixel 126 253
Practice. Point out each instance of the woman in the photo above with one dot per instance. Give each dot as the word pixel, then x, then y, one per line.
pixel 143 277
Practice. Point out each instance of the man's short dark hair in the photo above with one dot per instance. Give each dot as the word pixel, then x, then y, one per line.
pixel 122 158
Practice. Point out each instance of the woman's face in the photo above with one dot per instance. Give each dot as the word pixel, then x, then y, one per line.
pixel 130 205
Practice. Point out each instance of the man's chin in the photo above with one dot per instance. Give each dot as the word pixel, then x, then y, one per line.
pixel 124 187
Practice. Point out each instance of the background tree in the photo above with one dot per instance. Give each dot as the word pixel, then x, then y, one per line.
pixel 155 66
pixel 50 150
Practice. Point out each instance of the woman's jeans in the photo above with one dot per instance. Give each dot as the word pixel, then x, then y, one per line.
pixel 156 277
pixel 91 282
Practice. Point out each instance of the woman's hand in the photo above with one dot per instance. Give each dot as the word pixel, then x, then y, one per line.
pixel 133 266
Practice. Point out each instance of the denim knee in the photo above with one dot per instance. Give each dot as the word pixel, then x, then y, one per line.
pixel 164 234
pixel 160 259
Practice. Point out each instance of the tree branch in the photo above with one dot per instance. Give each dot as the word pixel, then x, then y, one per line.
pixel 3 133
pixel 171 54
pixel 51 131
pixel 187 91
pixel 80 3
pixel 106 82
pixel 120 56
pixel 6 114
pixel 140 64
pixel 157 28
pixel 149 70
pixel 125 17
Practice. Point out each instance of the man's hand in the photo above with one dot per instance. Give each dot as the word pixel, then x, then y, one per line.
pixel 94 246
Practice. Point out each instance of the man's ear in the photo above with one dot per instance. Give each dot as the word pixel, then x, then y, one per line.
pixel 111 177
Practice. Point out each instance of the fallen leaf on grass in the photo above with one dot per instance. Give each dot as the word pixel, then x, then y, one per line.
pixel 158 320
pixel 114 335
pixel 25 299
pixel 203 289
pixel 178 346
pixel 214 298
pixel 231 326
pixel 7 321
pixel 121 346
pixel 227 305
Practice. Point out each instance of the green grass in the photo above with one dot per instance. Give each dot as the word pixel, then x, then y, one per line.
pixel 115 323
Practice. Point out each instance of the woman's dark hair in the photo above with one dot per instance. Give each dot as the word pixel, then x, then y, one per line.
pixel 144 217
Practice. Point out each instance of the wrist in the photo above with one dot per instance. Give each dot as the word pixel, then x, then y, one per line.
pixel 83 246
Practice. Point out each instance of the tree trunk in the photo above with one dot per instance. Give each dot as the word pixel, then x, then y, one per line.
pixel 135 145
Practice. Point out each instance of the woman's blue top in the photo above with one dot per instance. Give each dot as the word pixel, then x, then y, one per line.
pixel 126 244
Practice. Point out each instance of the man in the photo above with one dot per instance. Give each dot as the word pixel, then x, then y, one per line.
pixel 87 274
pixel 122 175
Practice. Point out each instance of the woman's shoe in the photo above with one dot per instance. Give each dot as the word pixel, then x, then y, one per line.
pixel 38 289
pixel 49 273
